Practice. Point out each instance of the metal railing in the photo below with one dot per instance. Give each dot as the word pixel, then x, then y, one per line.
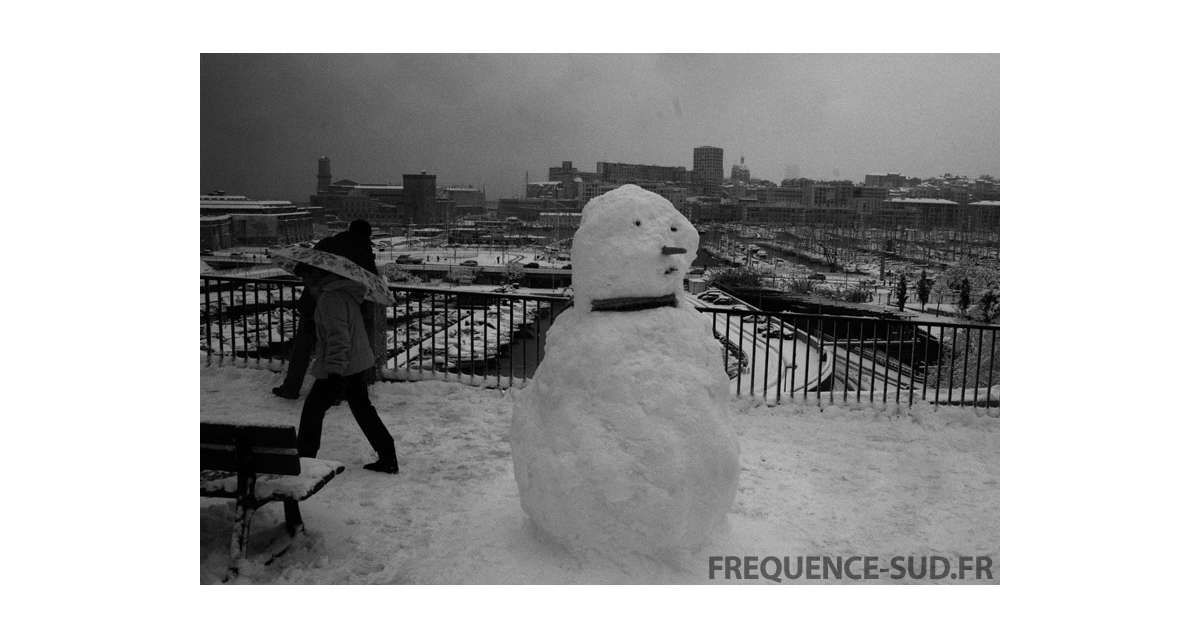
pixel 497 339
pixel 483 338
pixel 837 358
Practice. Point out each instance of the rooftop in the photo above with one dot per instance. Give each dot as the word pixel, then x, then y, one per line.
pixel 376 187
pixel 921 200
pixel 243 204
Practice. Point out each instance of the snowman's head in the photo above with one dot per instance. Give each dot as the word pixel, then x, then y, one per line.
pixel 631 243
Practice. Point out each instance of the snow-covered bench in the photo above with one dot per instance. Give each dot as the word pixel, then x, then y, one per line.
pixel 257 464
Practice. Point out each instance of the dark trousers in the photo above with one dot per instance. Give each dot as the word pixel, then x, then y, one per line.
pixel 302 347
pixel 322 396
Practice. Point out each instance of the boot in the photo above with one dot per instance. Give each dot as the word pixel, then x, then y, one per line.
pixel 284 393
pixel 386 464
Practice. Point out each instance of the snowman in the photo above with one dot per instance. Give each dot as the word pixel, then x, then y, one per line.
pixel 622 445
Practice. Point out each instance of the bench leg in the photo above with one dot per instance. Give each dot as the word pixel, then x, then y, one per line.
pixel 241 535
pixel 291 516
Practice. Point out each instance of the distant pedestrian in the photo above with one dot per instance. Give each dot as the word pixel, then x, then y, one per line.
pixel 342 359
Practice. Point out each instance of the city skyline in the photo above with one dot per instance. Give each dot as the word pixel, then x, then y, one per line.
pixel 488 119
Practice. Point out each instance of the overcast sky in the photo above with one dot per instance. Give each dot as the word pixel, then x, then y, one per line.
pixel 487 119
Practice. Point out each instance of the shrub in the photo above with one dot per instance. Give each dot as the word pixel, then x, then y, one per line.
pixel 802 286
pixel 737 278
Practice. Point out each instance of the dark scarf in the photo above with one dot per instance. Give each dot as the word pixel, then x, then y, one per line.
pixel 629 304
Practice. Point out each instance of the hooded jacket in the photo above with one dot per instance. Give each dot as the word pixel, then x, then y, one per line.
pixel 343 345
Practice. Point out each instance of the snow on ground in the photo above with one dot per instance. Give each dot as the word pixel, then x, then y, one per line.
pixel 843 481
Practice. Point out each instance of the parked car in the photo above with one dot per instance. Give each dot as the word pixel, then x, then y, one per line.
pixel 533 264
pixel 470 262
pixel 817 276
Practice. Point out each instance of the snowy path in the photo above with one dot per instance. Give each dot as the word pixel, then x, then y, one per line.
pixel 846 480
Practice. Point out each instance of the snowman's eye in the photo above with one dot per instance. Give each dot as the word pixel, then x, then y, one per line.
pixel 637 222
pixel 673 229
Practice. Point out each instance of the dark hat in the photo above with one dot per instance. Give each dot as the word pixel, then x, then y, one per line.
pixel 360 227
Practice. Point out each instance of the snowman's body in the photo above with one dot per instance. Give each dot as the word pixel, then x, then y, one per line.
pixel 622 443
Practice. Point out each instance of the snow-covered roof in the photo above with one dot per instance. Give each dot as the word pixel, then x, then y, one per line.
pixel 244 204
pixel 987 203
pixel 921 200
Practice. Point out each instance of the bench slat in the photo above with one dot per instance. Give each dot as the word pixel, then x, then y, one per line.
pixel 263 463
pixel 272 448
pixel 257 435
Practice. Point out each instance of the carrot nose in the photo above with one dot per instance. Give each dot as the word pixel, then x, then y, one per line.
pixel 672 250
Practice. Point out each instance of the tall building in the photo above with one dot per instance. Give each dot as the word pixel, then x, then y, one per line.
pixel 570 176
pixel 420 198
pixel 739 172
pixel 324 174
pixel 236 220
pixel 884 180
pixel 619 173
pixel 708 169
pixel 468 200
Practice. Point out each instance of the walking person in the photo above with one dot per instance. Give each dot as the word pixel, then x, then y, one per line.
pixel 354 243
pixel 343 358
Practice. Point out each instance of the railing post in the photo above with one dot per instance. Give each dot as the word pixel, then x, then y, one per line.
pixel 220 331
pixel 257 331
pixel 512 337
pixel 991 366
pixel 962 391
pixel 953 357
pixel 821 351
pixel 270 327
pixel 795 364
pixel 245 329
pixel 833 368
pixel 887 362
pixel 978 363
pixel 925 361
pixel 753 348
pixel 875 358
pixel 912 366
pixel 458 328
pixel 858 381
pixel 207 321
pixel 524 342
pixel 779 360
